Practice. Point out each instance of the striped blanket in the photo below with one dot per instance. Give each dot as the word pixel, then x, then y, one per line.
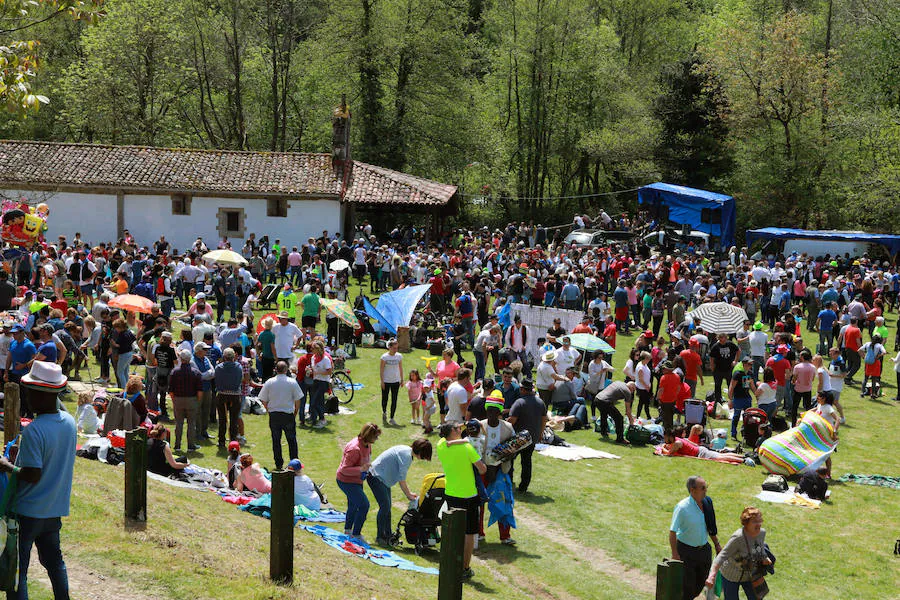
pixel 801 448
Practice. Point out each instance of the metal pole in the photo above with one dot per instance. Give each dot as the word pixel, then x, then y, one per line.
pixel 453 544
pixel 10 412
pixel 136 479
pixel 281 540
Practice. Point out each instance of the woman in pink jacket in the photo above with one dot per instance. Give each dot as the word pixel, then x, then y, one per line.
pixel 350 476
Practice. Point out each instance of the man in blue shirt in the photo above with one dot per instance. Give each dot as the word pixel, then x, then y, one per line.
pixel 693 520
pixel 825 325
pixel 43 471
pixel 21 353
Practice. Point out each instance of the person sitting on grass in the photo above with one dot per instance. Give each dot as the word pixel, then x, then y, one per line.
pixel 86 416
pixel 134 393
pixel 159 454
pixel 305 491
pixel 252 477
pixel 677 446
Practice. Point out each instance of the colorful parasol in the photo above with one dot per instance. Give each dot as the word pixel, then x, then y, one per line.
pixel 132 303
pixel 342 311
pixel 589 343
pixel 259 323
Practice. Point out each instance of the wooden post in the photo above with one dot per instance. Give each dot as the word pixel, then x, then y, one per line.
pixel 136 479
pixel 669 575
pixel 453 544
pixel 10 412
pixel 403 344
pixel 281 541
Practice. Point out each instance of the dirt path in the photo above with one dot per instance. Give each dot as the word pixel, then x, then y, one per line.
pixel 597 558
pixel 86 583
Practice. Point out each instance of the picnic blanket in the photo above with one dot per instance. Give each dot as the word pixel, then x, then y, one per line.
pixel 349 545
pixel 571 452
pixel 789 497
pixel 658 451
pixel 802 448
pixel 262 507
pixel 194 477
pixel 878 480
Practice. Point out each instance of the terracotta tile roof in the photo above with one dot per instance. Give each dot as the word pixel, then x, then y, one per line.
pixel 369 184
pixel 47 164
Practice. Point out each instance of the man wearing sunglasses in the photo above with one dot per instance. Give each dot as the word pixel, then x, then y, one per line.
pixel 693 521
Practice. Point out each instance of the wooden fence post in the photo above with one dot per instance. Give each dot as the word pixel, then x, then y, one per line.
pixel 10 412
pixel 136 479
pixel 453 544
pixel 669 576
pixel 281 541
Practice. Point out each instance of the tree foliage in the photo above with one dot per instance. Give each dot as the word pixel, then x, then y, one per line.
pixel 535 108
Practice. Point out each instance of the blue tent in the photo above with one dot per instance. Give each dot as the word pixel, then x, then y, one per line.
pixel 395 309
pixel 891 242
pixel 704 211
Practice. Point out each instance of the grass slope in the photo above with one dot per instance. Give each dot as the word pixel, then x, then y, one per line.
pixel 583 524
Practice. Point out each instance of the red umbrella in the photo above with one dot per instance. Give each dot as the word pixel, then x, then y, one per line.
pixel 259 324
pixel 132 303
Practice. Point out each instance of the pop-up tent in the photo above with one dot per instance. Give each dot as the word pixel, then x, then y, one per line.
pixel 891 242
pixel 704 211
pixel 395 309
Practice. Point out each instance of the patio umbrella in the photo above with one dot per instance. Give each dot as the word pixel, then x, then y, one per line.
pixel 259 323
pixel 341 310
pixel 225 257
pixel 720 317
pixel 589 343
pixel 132 303
pixel 338 265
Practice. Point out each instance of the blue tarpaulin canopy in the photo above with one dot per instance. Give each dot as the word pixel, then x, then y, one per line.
pixel 704 211
pixel 395 309
pixel 891 242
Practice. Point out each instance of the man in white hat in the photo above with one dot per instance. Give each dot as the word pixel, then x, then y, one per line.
pixel 287 336
pixel 546 376
pixel 43 469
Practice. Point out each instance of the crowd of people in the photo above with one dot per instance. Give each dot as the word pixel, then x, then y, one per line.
pixel 814 325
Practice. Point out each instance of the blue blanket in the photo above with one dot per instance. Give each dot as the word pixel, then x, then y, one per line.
pixel 262 507
pixel 382 558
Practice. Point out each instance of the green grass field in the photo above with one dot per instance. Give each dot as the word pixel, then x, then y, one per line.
pixel 589 529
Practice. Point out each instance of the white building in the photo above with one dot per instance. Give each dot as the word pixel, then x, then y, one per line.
pixel 101 191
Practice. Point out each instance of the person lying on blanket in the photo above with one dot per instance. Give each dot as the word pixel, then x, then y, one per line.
pixel 676 446
pixel 252 477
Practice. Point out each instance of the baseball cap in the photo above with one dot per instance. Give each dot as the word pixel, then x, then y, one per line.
pixel 17 327
pixel 201 346
pixel 294 464
pixel 200 296
pixel 234 445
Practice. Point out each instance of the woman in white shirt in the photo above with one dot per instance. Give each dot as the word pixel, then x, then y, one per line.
pixel 321 368
pixel 765 393
pixel 630 364
pixel 391 374
pixel 643 381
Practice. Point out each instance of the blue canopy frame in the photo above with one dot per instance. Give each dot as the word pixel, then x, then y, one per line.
pixel 704 211
pixel 891 242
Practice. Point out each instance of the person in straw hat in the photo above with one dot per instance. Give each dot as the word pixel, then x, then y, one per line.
pixel 546 376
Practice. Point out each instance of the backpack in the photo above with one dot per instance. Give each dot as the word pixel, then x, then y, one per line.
pixel 775 483
pixel 465 304
pixel 870 354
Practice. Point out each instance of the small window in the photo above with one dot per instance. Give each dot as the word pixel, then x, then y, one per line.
pixel 276 207
pixel 231 222
pixel 713 216
pixel 181 204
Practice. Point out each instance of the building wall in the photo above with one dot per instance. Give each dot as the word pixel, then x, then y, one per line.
pixel 149 216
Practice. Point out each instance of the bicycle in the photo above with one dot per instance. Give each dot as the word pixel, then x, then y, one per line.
pixel 341 383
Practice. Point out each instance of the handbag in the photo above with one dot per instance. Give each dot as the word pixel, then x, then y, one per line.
pixel 9 526
pixel 758 577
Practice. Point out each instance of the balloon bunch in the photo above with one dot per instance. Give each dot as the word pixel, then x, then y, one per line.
pixel 22 224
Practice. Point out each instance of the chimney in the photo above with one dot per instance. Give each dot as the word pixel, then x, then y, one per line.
pixel 340 136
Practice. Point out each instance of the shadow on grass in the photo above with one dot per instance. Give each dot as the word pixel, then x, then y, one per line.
pixel 481 587
pixel 530 498
pixel 504 555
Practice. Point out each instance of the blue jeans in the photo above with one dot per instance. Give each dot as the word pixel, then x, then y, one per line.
pixel 43 533
pixel 759 363
pixel 357 506
pixel 479 365
pixel 740 405
pixel 382 495
pixel 317 400
pixel 469 323
pixel 122 365
pixel 732 589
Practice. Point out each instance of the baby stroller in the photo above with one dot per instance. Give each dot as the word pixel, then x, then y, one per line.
pixel 421 525
pixel 752 419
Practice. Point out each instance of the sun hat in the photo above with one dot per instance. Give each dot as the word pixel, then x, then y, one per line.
pixel 294 464
pixel 758 326
pixel 549 356
pixel 494 405
pixel 496 394
pixel 45 376
pixel 284 315
pixel 201 346
pixel 781 349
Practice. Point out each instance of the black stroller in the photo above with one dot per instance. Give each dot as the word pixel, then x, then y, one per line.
pixel 752 418
pixel 421 526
